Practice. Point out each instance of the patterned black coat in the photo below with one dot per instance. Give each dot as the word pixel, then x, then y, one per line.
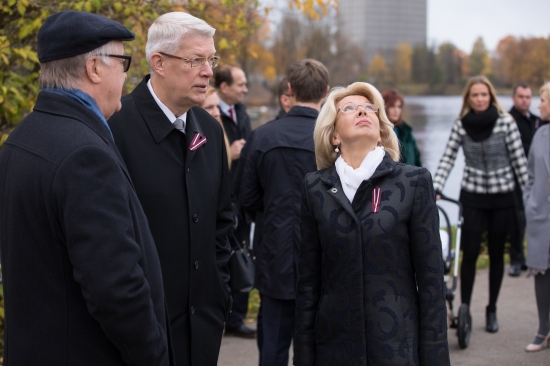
pixel 357 299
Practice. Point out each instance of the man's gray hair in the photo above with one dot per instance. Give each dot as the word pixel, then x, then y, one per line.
pixel 166 32
pixel 67 73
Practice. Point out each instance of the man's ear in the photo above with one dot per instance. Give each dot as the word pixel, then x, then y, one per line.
pixel 94 70
pixel 290 90
pixel 157 63
pixel 223 87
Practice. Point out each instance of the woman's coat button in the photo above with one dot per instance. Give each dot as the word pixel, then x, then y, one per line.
pixel 334 190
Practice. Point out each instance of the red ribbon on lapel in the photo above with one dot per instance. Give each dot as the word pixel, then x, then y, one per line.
pixel 376 198
pixel 198 141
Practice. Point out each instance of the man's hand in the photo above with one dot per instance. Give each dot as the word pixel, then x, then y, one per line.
pixel 236 148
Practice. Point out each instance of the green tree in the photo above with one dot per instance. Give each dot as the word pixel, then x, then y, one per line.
pixel 423 64
pixel 450 60
pixel 480 62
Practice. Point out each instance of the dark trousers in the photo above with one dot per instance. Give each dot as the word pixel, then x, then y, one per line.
pixel 275 330
pixel 240 308
pixel 517 255
pixel 499 224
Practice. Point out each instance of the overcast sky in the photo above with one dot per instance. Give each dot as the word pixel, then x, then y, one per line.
pixel 462 21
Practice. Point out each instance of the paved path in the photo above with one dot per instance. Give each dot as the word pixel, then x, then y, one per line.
pixel 517 317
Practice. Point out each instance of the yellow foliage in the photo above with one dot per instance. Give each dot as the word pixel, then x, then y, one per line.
pixel 402 64
pixel 241 28
pixel 270 73
pixel 377 68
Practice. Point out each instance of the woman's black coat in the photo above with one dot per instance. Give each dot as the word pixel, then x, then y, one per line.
pixel 357 298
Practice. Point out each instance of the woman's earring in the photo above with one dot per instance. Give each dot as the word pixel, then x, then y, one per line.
pixel 337 150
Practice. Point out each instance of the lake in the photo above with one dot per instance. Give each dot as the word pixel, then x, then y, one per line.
pixel 431 118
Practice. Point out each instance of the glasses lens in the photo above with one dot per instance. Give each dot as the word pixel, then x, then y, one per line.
pixel 126 64
pixel 214 61
pixel 196 62
pixel 368 107
pixel 348 108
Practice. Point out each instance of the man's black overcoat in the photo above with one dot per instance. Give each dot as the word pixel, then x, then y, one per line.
pixel 280 154
pixel 82 279
pixel 186 197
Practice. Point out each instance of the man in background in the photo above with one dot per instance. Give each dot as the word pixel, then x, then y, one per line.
pixel 82 277
pixel 280 154
pixel 230 82
pixel 528 124
pixel 285 100
pixel 175 153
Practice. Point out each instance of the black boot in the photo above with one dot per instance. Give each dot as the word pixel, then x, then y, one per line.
pixel 491 321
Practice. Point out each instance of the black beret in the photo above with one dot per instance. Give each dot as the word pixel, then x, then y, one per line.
pixel 71 33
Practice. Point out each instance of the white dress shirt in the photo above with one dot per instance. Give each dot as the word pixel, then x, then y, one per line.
pixel 171 116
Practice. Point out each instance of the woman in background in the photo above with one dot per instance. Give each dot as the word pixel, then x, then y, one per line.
pixel 537 211
pixel 370 288
pixel 394 108
pixel 494 154
pixel 211 104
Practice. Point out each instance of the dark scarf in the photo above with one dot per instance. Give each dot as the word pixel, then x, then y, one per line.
pixel 479 126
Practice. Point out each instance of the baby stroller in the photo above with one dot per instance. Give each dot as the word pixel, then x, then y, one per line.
pixel 463 321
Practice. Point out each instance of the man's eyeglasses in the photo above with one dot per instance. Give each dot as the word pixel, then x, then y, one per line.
pixel 126 63
pixel 196 62
pixel 352 107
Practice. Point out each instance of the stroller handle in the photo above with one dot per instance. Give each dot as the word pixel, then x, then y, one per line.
pixel 448 199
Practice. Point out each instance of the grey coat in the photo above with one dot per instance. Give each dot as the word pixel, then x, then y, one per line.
pixel 536 197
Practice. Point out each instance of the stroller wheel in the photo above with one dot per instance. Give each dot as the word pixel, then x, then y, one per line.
pixel 464 326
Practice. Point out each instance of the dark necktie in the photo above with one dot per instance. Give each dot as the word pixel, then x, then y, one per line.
pixel 232 114
pixel 178 125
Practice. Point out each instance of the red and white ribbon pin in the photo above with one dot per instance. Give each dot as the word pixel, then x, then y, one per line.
pixel 198 141
pixel 376 198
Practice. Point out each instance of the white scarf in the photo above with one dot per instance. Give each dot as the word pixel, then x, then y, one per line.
pixel 352 178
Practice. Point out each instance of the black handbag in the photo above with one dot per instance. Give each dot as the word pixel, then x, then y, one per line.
pixel 241 267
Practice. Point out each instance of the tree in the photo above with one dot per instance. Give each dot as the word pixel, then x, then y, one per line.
pixel 19 66
pixel 402 63
pixel 378 70
pixel 423 64
pixel 450 60
pixel 480 62
pixel 523 60
pixel 238 39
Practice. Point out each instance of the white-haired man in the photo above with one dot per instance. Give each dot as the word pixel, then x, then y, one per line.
pixel 175 153
pixel 82 278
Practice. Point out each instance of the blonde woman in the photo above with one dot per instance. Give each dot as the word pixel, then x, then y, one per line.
pixel 211 104
pixel 370 287
pixel 494 154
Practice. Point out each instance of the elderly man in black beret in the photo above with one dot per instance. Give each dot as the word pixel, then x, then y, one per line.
pixel 82 278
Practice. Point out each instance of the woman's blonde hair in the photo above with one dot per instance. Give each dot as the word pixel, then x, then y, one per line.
pixel 545 89
pixel 480 79
pixel 326 122
pixel 209 91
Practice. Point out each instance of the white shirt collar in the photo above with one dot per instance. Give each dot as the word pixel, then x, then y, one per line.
pixel 224 107
pixel 171 116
